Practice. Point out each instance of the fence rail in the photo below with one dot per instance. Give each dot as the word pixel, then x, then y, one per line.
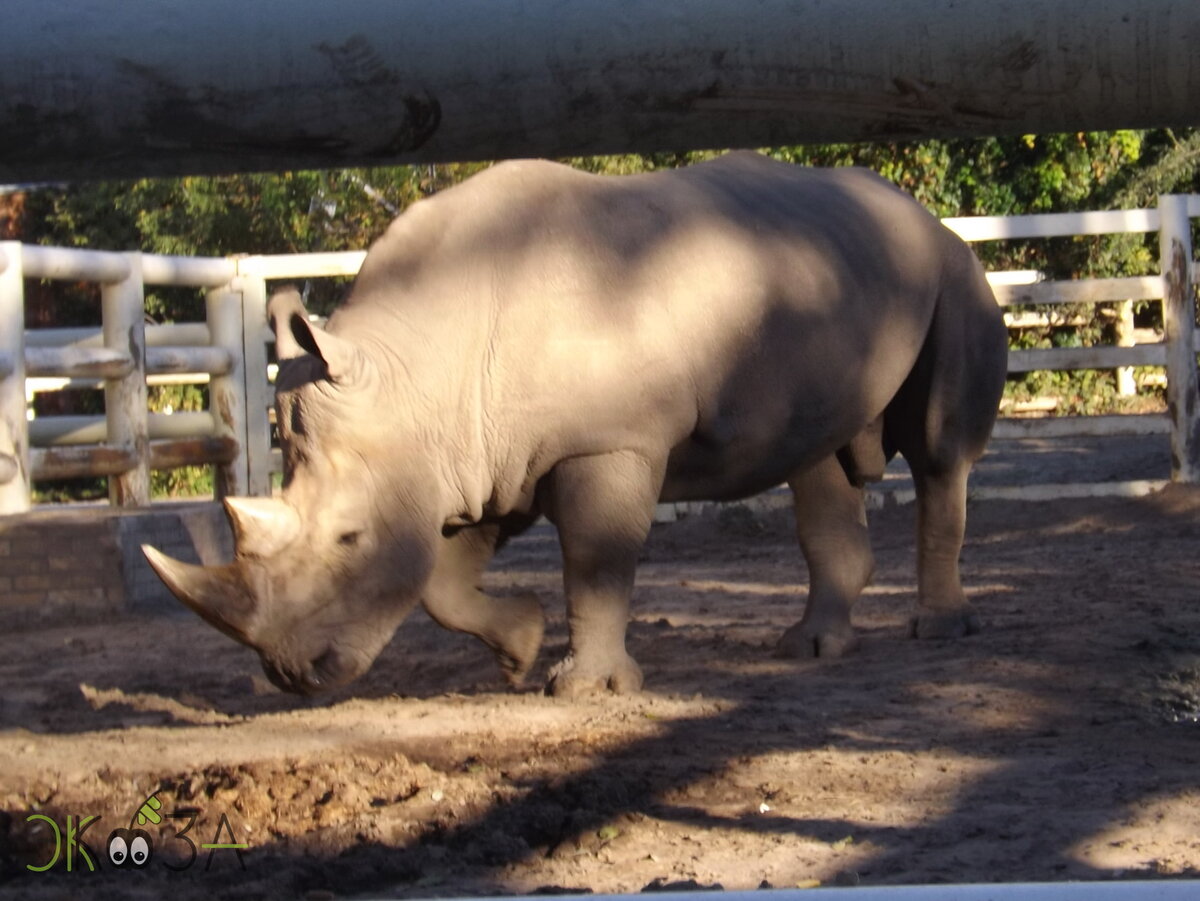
pixel 228 351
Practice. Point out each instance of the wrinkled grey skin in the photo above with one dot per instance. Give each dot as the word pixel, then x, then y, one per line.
pixel 543 341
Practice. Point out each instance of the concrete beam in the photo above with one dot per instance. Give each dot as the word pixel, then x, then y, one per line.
pixel 103 88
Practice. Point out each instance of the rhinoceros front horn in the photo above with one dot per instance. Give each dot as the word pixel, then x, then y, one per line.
pixel 218 593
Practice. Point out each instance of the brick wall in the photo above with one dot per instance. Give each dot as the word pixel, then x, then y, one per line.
pixel 89 559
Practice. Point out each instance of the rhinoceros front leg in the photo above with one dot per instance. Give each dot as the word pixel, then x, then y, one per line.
pixel 603 506
pixel 942 608
pixel 831 524
pixel 511 627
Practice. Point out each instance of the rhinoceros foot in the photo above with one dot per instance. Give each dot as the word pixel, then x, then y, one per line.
pixel 572 678
pixel 518 648
pixel 952 623
pixel 805 641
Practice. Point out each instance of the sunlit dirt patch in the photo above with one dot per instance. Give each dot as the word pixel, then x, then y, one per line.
pixel 1042 748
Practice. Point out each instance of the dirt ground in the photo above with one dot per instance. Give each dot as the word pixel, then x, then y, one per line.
pixel 1059 743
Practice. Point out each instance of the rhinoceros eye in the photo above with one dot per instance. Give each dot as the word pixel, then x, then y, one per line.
pixel 349 539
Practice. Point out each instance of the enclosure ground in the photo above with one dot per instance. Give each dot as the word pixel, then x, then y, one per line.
pixel 1059 743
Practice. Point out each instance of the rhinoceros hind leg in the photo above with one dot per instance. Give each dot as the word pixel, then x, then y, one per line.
pixel 942 608
pixel 940 420
pixel 831 524
pixel 603 506
pixel 944 623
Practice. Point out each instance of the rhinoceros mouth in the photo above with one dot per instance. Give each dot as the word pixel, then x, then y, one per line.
pixel 329 670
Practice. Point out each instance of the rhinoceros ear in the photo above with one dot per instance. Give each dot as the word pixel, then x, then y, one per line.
pixel 282 306
pixel 295 336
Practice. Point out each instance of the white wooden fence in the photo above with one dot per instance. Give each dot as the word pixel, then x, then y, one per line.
pixel 229 351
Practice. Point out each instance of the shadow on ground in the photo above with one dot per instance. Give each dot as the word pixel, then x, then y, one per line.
pixel 1057 744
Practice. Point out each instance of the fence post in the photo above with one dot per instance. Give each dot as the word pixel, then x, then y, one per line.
pixel 256 334
pixel 227 393
pixel 125 399
pixel 1179 328
pixel 1126 384
pixel 14 430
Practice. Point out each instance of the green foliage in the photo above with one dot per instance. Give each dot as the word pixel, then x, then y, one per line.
pixel 186 481
pixel 295 212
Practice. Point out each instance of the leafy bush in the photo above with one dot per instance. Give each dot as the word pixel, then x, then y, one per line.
pixel 347 209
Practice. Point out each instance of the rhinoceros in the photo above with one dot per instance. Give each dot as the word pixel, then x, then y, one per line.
pixel 539 341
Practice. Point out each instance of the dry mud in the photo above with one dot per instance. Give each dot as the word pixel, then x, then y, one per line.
pixel 1059 743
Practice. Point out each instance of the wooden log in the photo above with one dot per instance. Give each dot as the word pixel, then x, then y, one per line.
pixel 1126 337
pixel 227 390
pixel 174 334
pixel 53 431
pixel 90 461
pixel 96 461
pixel 1052 491
pixel 1069 358
pixel 131 88
pixel 210 450
pixel 302 265
pixel 1082 426
pixel 188 272
pixel 73 362
pixel 165 360
pixel 178 334
pixel 72 264
pixel 1092 290
pixel 1052 225
pixel 259 394
pixel 125 400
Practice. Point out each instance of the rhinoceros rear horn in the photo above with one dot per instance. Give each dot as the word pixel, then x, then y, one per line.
pixel 218 593
pixel 262 526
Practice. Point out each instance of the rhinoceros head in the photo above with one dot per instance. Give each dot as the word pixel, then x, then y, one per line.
pixel 324 573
